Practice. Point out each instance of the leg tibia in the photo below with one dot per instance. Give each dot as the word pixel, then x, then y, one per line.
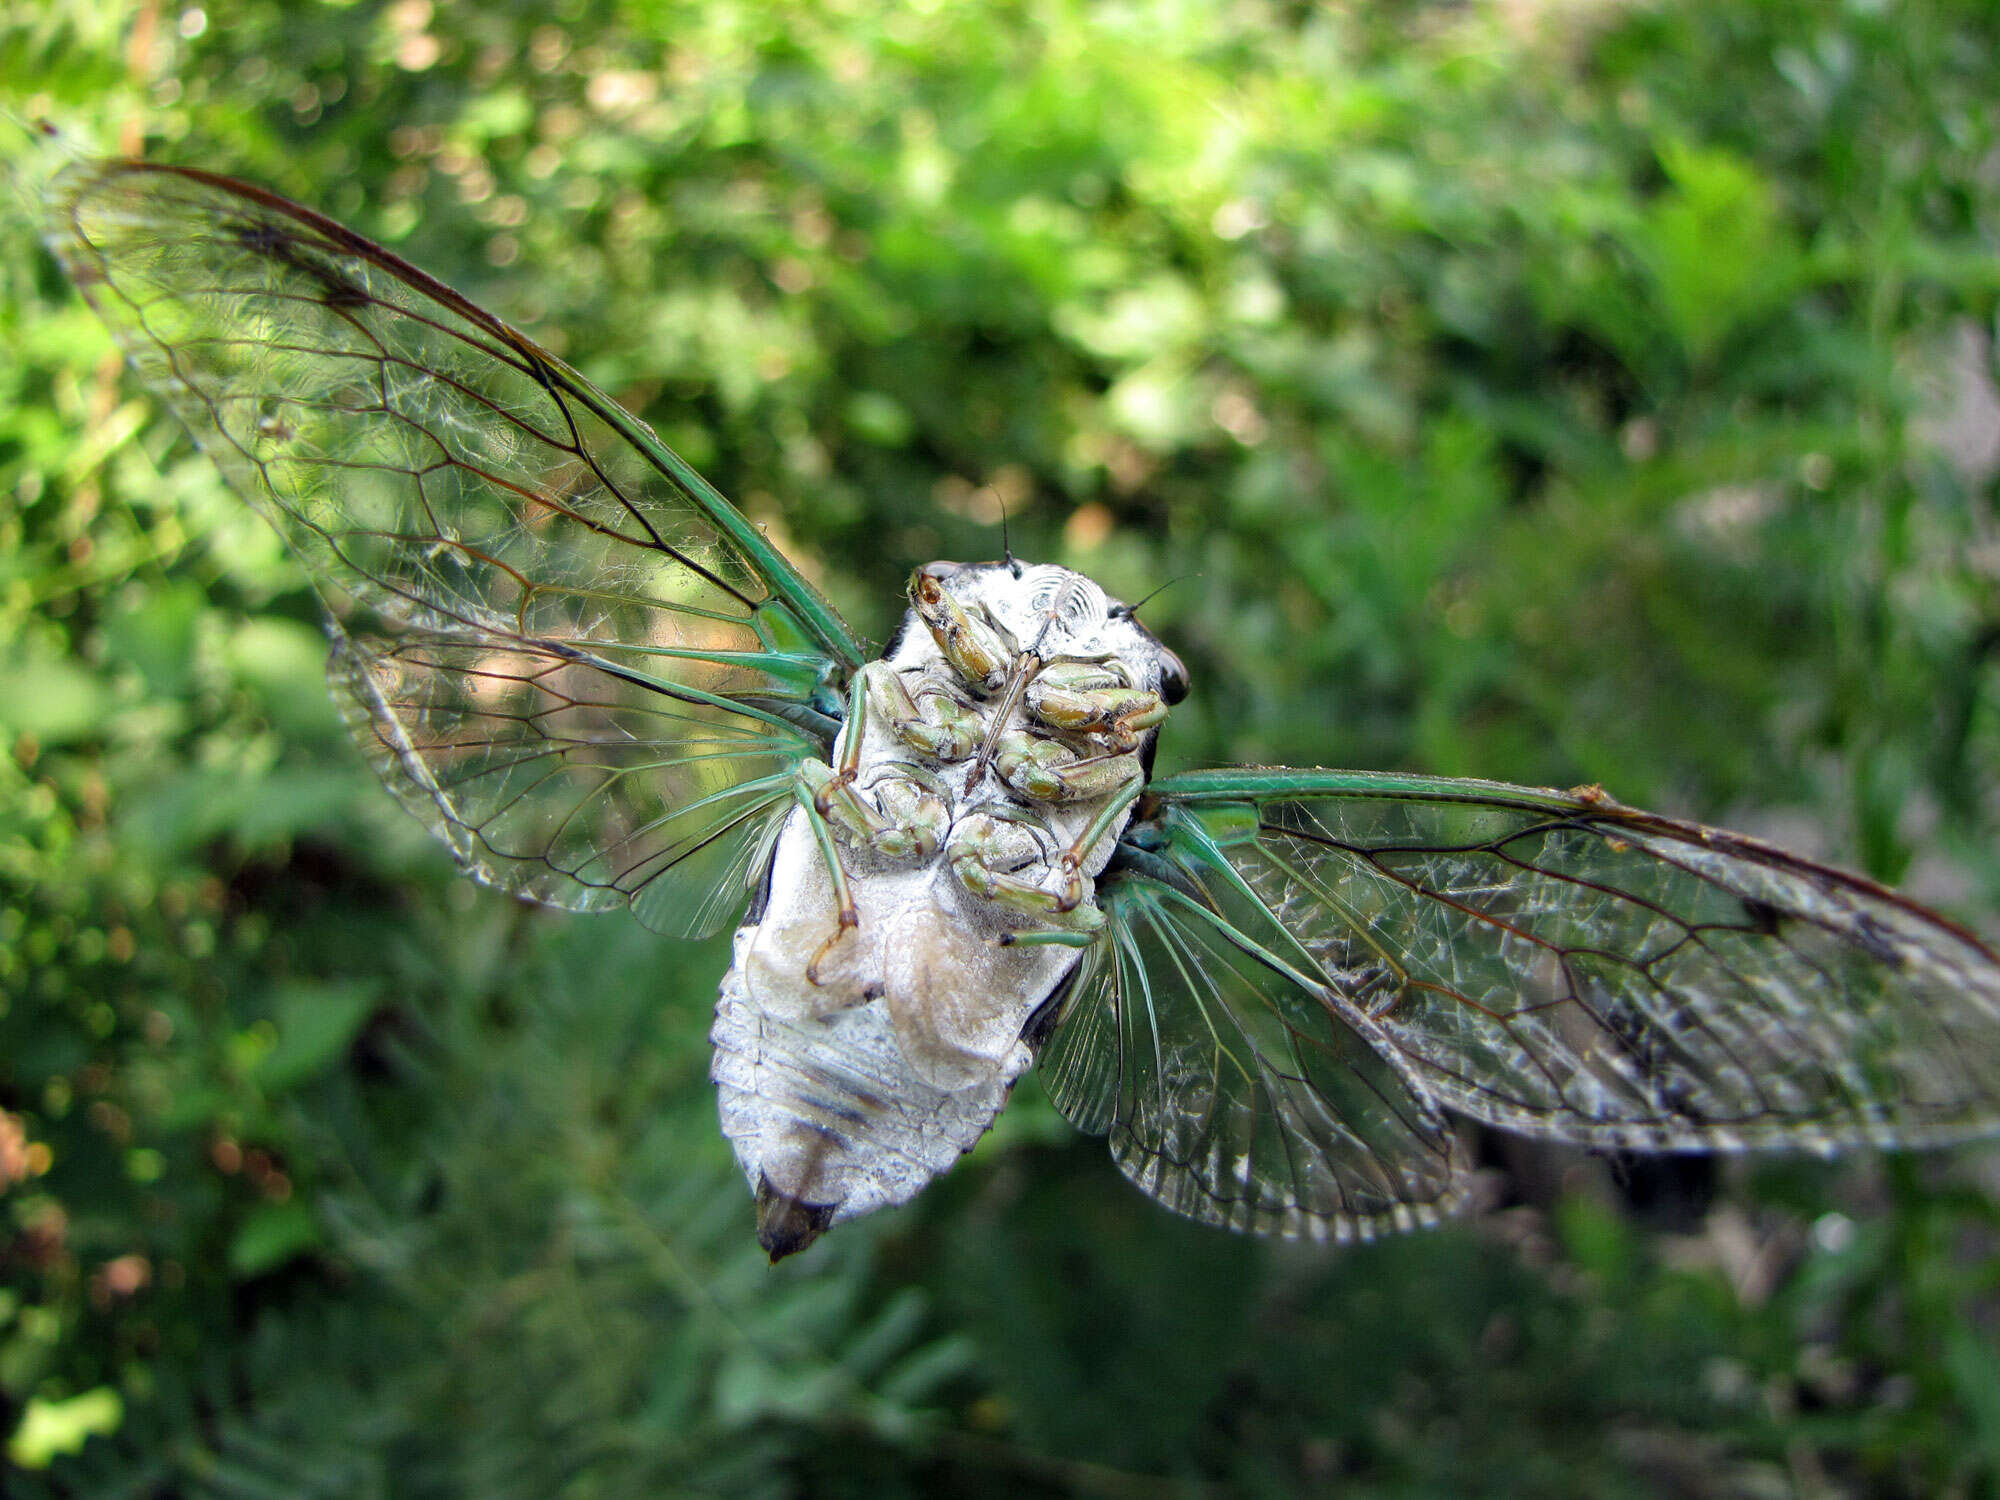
pixel 1002 861
pixel 899 815
pixel 933 722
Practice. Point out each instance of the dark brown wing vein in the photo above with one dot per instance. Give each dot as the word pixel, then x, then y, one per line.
pixel 1620 979
pixel 577 691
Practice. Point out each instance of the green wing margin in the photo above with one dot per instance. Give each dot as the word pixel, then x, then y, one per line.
pixel 568 655
pixel 1553 963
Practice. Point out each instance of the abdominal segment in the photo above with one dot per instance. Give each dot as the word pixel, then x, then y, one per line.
pixel 930 891
pixel 848 1095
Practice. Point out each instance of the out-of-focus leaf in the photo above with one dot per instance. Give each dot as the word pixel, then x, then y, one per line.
pixel 49 1428
pixel 271 1235
pixel 317 1021
pixel 1974 1369
pixel 879 418
pixel 284 662
pixel 51 699
pixel 155 632
pixel 1716 247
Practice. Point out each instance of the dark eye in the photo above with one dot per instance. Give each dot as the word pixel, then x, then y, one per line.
pixel 1173 677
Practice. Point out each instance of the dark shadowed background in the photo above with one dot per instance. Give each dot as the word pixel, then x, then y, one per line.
pixel 1559 392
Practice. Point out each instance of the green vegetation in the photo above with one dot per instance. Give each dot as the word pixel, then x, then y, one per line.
pixel 1552 392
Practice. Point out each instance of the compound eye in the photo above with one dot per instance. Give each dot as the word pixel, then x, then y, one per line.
pixel 1173 678
pixel 938 570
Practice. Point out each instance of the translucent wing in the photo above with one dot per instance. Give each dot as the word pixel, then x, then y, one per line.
pixel 570 656
pixel 1562 965
pixel 1235 1090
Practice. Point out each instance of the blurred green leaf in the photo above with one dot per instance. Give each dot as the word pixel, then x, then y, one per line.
pixel 271 1235
pixel 53 700
pixel 50 1428
pixel 1718 252
pixel 316 1022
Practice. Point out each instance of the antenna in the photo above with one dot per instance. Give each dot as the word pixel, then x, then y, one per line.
pixel 1006 540
pixel 1131 611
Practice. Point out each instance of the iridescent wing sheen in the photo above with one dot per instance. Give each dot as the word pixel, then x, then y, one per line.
pixel 1558 964
pixel 571 657
pixel 1236 1090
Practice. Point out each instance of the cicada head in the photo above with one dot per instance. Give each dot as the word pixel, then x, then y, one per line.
pixel 986 616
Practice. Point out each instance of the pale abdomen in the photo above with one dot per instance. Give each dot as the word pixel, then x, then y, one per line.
pixel 848 1095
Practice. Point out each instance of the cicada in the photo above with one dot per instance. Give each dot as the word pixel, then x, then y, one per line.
pixel 602 687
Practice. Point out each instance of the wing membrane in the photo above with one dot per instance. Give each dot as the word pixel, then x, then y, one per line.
pixel 1235 1094
pixel 566 782
pixel 595 671
pixel 1560 964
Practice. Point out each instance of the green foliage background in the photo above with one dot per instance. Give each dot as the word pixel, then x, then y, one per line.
pixel 1553 392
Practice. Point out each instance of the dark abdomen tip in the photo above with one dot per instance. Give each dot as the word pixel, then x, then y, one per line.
pixel 786 1225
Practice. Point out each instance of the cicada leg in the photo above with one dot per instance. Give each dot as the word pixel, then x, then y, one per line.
pixel 1072 862
pixel 1095 699
pixel 846 917
pixel 1105 820
pixel 932 723
pixel 987 852
pixel 1046 770
pixel 978 647
pixel 902 814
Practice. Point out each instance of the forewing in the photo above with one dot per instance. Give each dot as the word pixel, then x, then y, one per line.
pixel 1234 1094
pixel 589 667
pixel 1562 965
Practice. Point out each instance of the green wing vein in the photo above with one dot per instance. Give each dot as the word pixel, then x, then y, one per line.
pixel 568 655
pixel 1560 964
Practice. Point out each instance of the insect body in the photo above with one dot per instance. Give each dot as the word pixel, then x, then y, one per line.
pixel 871 1025
pixel 1271 988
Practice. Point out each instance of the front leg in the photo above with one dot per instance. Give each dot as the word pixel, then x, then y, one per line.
pixel 1047 770
pixel 1095 699
pixel 933 722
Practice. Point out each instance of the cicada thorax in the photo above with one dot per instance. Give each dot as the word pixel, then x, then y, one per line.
pixel 933 888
